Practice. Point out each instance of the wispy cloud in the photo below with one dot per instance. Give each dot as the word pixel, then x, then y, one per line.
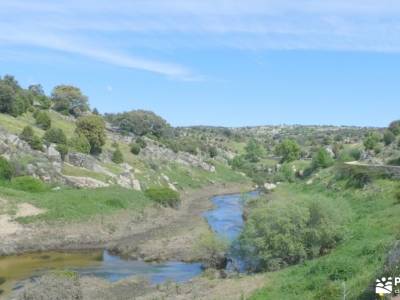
pixel 88 27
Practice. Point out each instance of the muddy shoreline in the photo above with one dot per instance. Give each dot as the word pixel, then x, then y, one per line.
pixel 152 235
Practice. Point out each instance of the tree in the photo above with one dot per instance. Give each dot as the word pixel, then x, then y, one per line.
pixel 135 148
pixel 55 136
pixel 289 150
pixel 140 122
pixel 7 97
pixel 117 156
pixel 322 159
pixel 212 151
pixel 371 140
pixel 93 128
pixel 395 127
pixel 388 137
pixel 42 119
pixel 27 134
pixel 79 143
pixel 254 151
pixel 69 100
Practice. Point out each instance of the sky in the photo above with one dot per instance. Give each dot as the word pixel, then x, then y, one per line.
pixel 214 62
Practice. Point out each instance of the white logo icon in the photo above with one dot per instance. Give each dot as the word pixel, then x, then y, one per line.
pixel 384 286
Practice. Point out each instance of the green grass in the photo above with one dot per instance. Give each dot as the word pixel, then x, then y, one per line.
pixel 70 170
pixel 77 204
pixel 57 121
pixel 15 125
pixel 358 260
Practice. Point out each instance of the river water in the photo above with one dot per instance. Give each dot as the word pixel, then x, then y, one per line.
pixel 225 220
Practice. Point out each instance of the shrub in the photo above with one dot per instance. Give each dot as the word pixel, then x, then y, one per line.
pixel 55 136
pixel 141 142
pixel 322 159
pixel 93 128
pixel 6 169
pixel 349 154
pixel 135 148
pixel 371 140
pixel 388 137
pixel 287 232
pixel 28 184
pixel 211 250
pixel 164 196
pixel 117 157
pixel 27 134
pixel 36 143
pixel 63 150
pixel 289 150
pixel 254 151
pixel 212 151
pixel 79 143
pixel 42 119
pixel 285 173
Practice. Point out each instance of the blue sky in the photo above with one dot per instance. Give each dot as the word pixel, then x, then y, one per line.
pixel 214 62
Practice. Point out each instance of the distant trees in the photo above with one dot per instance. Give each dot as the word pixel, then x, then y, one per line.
pixel 140 122
pixel 93 128
pixel 289 150
pixel 68 99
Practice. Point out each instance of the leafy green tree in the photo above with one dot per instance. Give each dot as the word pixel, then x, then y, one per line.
pixel 6 170
pixel 56 136
pixel 388 137
pixel 93 128
pixel 140 122
pixel 322 159
pixel 289 150
pixel 79 143
pixel 117 156
pixel 254 151
pixel 42 119
pixel 7 97
pixel 395 127
pixel 36 143
pixel 39 97
pixel 212 151
pixel 371 140
pixel 68 99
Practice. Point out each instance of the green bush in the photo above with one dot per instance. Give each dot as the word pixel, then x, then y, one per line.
pixel 371 140
pixel 33 140
pixel 212 250
pixel 55 136
pixel 322 159
pixel 141 142
pixel 117 157
pixel 289 150
pixel 93 128
pixel 6 169
pixel 285 173
pixel 388 137
pixel 135 148
pixel 79 143
pixel 36 143
pixel 287 232
pixel 164 196
pixel 212 151
pixel 27 134
pixel 349 155
pixel 28 184
pixel 42 119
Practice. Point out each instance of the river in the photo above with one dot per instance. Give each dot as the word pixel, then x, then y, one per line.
pixel 225 220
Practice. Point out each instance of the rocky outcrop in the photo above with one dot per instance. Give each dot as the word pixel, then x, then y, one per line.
pixel 165 154
pixel 88 162
pixel 84 182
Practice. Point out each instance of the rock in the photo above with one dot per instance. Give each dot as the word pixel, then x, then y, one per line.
pixel 52 153
pixel 85 182
pixel 269 186
pixel 330 151
pixel 310 181
pixel 128 180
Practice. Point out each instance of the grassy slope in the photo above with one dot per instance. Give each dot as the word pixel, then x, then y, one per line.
pixel 371 230
pixel 76 204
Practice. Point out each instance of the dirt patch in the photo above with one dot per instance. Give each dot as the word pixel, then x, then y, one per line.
pixel 27 210
pixel 8 226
